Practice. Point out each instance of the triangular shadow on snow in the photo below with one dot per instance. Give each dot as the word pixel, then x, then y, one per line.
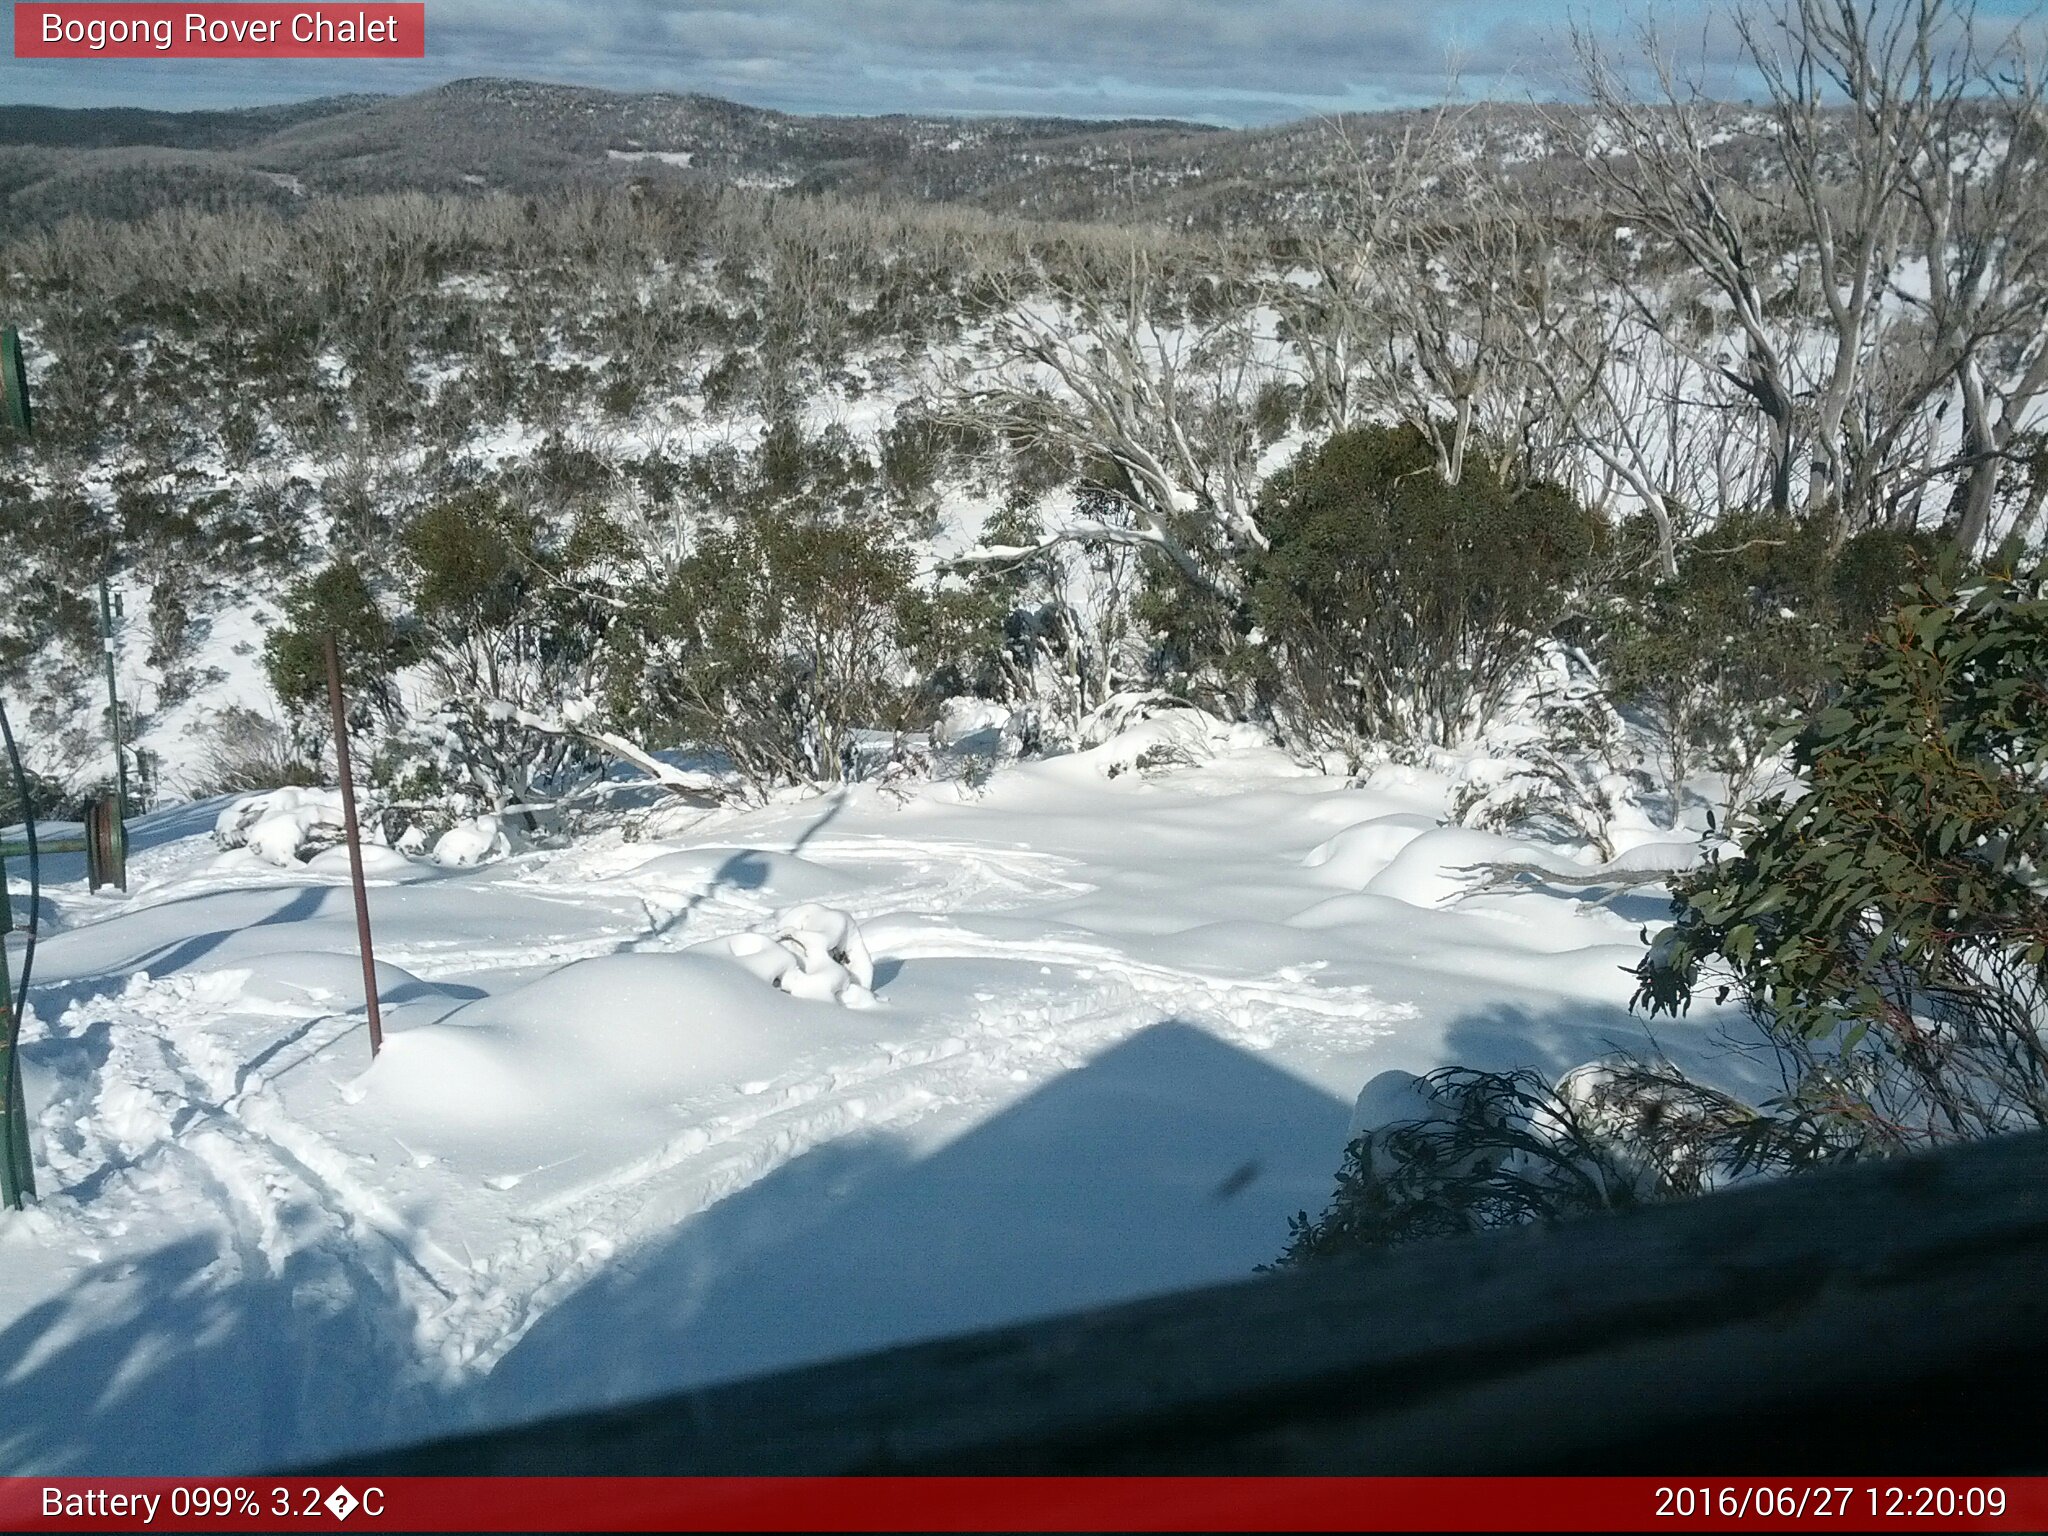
pixel 1172 1159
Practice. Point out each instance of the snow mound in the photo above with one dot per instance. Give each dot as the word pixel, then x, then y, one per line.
pixel 471 842
pixel 1176 736
pixel 1435 869
pixel 377 860
pixel 283 826
pixel 812 952
pixel 619 1043
pixel 312 982
pixel 1354 855
pixel 969 725
pixel 1393 1097
pixel 1488 1135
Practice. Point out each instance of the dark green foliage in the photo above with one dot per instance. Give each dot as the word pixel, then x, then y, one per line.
pixel 1275 410
pixel 1397 606
pixel 913 457
pixel 54 548
pixel 1889 926
pixel 957 639
pixel 48 798
pixel 1708 662
pixel 775 640
pixel 1505 1151
pixel 1868 572
pixel 335 600
pixel 472 562
pixel 782 632
pixel 511 612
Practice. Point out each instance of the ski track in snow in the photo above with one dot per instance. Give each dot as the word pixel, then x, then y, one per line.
pixel 164 1104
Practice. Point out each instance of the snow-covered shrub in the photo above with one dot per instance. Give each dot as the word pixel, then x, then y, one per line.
pixel 284 827
pixel 1459 1151
pixel 1068 638
pixel 513 611
pixel 501 610
pixel 1708 665
pixel 471 842
pixel 335 600
pixel 809 951
pixel 1571 773
pixel 780 636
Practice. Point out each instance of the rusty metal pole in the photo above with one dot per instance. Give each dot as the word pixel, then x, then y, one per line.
pixel 355 847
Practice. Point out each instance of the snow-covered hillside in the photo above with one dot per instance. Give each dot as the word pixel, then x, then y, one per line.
pixel 1119 1015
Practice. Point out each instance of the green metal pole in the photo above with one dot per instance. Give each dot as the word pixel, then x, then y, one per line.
pixel 17 1171
pixel 113 699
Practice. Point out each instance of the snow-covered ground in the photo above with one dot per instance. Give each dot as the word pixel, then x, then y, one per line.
pixel 1113 1021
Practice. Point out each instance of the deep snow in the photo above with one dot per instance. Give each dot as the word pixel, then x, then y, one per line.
pixel 1114 1025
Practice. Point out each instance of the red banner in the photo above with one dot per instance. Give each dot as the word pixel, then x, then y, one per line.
pixel 1023 1504
pixel 215 31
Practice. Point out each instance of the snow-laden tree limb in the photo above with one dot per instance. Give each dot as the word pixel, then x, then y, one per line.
pixel 1112 371
pixel 699 788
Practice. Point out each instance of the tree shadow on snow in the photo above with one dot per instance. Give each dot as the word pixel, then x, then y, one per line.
pixel 305 903
pixel 748 869
pixel 199 1359
pixel 1506 1036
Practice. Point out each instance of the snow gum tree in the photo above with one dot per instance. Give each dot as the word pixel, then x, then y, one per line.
pixel 1887 927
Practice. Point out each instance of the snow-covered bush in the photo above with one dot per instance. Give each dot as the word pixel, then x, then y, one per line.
pixel 513 611
pixel 809 951
pixel 285 826
pixel 471 842
pixel 1570 773
pixel 248 751
pixel 1143 733
pixel 1707 665
pixel 497 610
pixel 1460 1151
pixel 1065 637
pixel 780 636
pixel 335 600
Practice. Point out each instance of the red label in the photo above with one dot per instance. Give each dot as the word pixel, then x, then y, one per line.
pixel 214 31
pixel 1514 1504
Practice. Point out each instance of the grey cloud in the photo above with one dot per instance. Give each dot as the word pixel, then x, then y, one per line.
pixel 1208 59
pixel 1234 61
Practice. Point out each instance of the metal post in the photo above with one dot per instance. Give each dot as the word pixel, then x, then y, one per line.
pixel 355 849
pixel 113 698
pixel 17 1169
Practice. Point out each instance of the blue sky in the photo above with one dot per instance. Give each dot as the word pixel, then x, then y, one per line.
pixel 1225 61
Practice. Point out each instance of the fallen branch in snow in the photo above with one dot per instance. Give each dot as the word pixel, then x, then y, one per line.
pixel 1503 876
pixel 697 788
